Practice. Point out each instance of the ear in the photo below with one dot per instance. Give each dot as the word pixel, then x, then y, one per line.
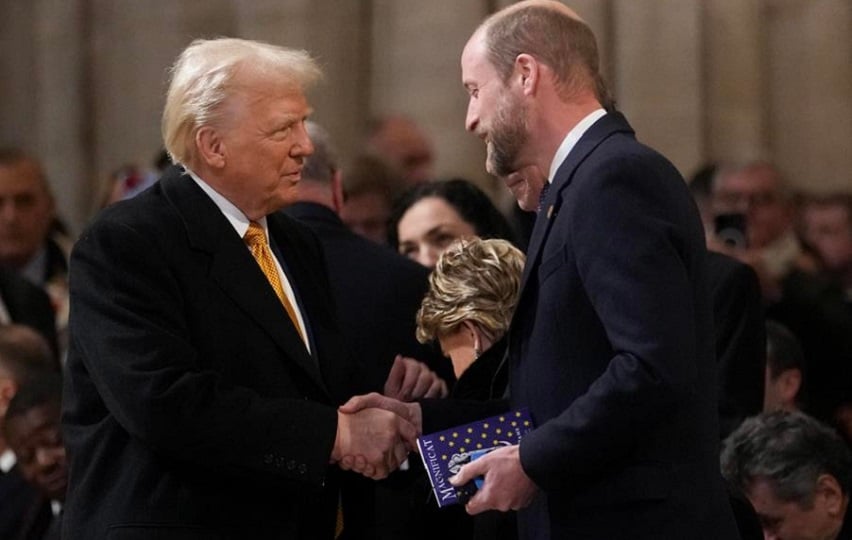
pixel 7 392
pixel 337 191
pixel 791 382
pixel 528 71
pixel 210 146
pixel 830 495
pixel 470 328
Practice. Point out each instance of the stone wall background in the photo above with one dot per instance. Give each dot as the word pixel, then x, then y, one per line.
pixel 82 81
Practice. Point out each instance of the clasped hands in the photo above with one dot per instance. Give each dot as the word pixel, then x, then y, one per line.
pixel 506 486
pixel 374 441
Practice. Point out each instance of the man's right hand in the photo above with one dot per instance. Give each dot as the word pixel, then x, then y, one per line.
pixel 409 411
pixel 372 441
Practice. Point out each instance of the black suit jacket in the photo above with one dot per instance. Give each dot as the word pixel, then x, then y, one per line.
pixel 37 522
pixel 611 348
pixel 740 331
pixel 28 305
pixel 192 409
pixel 17 497
pixel 378 293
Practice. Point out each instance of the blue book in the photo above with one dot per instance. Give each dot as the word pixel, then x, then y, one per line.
pixel 444 452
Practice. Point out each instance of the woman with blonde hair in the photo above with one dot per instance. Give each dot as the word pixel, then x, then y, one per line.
pixel 472 294
pixel 473 291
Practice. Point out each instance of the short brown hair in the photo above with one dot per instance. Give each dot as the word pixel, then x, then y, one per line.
pixel 566 44
pixel 24 352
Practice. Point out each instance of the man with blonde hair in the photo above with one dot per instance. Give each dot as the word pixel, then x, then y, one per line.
pixel 205 365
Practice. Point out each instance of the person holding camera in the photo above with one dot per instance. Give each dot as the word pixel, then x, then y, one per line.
pixel 754 196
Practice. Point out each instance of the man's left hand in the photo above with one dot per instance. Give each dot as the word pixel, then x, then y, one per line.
pixel 506 487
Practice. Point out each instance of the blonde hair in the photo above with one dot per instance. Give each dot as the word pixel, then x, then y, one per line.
pixel 474 280
pixel 205 76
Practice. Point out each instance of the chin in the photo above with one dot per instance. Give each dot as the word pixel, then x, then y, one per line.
pixel 527 205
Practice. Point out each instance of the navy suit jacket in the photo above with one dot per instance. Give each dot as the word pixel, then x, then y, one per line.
pixel 611 348
pixel 192 408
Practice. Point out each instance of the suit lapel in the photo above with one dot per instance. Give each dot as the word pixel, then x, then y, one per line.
pixel 234 269
pixel 594 136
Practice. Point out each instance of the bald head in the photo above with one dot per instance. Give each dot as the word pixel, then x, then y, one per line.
pixel 404 146
pixel 555 35
pixel 558 7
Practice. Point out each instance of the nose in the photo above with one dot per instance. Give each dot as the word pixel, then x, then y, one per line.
pixel 471 121
pixel 428 255
pixel 7 210
pixel 45 457
pixel 303 146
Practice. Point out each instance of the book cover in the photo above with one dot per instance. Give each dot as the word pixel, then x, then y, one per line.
pixel 444 452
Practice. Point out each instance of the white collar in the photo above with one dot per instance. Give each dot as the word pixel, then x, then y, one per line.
pixel 235 216
pixel 571 139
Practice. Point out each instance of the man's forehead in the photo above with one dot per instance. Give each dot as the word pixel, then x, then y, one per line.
pixel 21 173
pixel 38 418
pixel 474 49
pixel 474 61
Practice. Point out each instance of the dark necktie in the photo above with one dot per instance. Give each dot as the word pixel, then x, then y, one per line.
pixel 542 195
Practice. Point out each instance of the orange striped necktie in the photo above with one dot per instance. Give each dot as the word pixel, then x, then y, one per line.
pixel 255 238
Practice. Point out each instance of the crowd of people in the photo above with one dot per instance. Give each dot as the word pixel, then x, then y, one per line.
pixel 251 336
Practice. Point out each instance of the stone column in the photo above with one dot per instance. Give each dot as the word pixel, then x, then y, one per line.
pixel 810 91
pixel 735 108
pixel 657 72
pixel 132 45
pixel 17 76
pixel 416 71
pixel 336 34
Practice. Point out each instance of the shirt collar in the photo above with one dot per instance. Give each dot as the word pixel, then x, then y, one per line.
pixel 571 139
pixel 235 216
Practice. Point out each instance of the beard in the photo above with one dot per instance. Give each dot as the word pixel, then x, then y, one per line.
pixel 507 136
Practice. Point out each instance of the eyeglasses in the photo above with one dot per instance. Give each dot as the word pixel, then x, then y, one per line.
pixel 735 200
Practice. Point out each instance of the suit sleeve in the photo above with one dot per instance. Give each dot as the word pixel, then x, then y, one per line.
pixel 632 256
pixel 740 347
pixel 130 333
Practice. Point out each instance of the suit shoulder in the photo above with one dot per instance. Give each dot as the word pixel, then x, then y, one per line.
pixel 385 262
pixel 149 209
pixel 725 271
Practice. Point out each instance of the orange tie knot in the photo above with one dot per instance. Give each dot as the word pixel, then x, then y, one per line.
pixel 255 235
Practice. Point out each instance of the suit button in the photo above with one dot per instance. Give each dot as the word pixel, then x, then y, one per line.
pixel 303 468
pixel 291 465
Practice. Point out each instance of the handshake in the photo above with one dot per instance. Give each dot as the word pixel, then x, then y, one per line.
pixel 376 432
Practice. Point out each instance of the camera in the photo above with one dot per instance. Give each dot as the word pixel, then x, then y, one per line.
pixel 731 229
